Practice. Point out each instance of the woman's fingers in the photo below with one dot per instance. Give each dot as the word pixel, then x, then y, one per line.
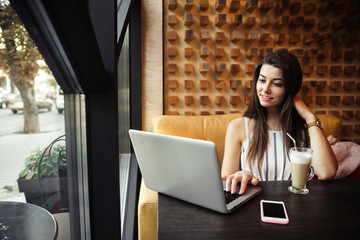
pixel 254 181
pixel 245 179
pixel 241 176
pixel 234 183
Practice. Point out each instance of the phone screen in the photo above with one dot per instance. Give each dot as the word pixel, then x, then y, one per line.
pixel 275 210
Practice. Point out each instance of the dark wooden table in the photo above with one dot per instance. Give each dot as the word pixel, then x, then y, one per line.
pixel 330 211
pixel 26 221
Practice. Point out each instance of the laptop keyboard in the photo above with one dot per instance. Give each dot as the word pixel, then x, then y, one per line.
pixel 229 197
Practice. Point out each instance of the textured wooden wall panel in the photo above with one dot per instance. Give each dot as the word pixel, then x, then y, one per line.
pixel 211 49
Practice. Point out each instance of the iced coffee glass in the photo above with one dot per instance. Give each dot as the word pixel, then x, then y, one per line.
pixel 301 171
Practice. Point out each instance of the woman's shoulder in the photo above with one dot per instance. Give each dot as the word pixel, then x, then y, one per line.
pixel 237 126
pixel 237 122
pixel 241 122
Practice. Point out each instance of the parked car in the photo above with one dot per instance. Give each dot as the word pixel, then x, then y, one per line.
pixel 17 104
pixel 3 98
pixel 59 100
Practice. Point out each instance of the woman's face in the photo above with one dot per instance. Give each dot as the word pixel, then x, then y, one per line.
pixel 270 87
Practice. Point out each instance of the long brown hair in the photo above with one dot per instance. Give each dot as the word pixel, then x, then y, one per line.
pixel 290 120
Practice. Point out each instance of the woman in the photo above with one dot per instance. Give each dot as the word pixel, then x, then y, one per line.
pixel 256 145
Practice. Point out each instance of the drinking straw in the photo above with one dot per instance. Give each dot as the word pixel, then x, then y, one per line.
pixel 292 140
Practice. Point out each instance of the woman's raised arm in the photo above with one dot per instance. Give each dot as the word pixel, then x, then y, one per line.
pixel 324 160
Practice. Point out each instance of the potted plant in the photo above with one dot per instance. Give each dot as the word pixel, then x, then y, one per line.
pixel 44 177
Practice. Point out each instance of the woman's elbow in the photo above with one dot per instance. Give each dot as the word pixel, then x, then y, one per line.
pixel 328 174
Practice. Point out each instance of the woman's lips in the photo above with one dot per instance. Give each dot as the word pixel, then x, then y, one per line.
pixel 265 98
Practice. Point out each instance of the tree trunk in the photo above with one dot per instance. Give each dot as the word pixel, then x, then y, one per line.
pixel 27 92
pixel 31 117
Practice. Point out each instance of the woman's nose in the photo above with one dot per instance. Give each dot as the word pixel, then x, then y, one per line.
pixel 267 88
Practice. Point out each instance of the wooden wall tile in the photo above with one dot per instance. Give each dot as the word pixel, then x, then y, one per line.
pixel 173 100
pixel 189 35
pixel 280 37
pixel 188 52
pixel 349 100
pixel 234 84
pixel 172 20
pixel 189 4
pixel 281 5
pixel 204 84
pixel 188 68
pixel 204 100
pixel 220 67
pixel 324 7
pixel 249 68
pixel 220 20
pixel 172 68
pixel 234 68
pixel 189 84
pixel 220 5
pixel 349 85
pixel 267 20
pixel 204 20
pixel 172 4
pixel 188 100
pixel 295 7
pixel 234 5
pixel 203 5
pixel 323 23
pixel 266 5
pixel 334 100
pixel 219 52
pixel 205 52
pixel 172 35
pixel 236 35
pixel 204 35
pixel 236 20
pixel 234 52
pixel 204 67
pixel 234 100
pixel 309 8
pixel 173 84
pixel 250 21
pixel 311 53
pixel 296 21
pixel 335 85
pixel 252 52
pixel 251 5
pixel 189 19
pixel 219 36
pixel 172 51
pixel 219 100
pixel 281 21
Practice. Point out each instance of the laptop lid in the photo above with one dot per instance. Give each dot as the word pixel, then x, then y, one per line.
pixel 184 168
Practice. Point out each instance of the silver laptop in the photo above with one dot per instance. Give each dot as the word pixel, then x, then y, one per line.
pixel 185 168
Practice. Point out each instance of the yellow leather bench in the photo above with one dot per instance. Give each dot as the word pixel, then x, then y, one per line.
pixel 211 128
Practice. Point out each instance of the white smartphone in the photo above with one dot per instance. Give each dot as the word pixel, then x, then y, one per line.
pixel 273 212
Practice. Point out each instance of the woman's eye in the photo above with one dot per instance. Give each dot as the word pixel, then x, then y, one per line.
pixel 277 84
pixel 262 80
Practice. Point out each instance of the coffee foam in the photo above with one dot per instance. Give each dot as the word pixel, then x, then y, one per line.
pixel 300 157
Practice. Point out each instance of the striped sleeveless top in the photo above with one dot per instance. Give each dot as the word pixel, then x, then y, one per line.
pixel 276 165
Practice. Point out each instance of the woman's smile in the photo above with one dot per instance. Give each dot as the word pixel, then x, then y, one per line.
pixel 265 98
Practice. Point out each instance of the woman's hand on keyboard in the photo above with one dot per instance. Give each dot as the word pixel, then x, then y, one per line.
pixel 244 177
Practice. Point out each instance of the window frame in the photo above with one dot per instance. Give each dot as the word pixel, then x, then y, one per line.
pixel 85 68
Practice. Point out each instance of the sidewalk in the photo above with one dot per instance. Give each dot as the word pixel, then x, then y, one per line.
pixel 14 148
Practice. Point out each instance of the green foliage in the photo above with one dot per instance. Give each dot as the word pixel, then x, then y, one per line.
pixel 18 52
pixel 44 164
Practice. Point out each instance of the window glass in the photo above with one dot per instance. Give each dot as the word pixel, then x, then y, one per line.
pixel 32 127
pixel 124 124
